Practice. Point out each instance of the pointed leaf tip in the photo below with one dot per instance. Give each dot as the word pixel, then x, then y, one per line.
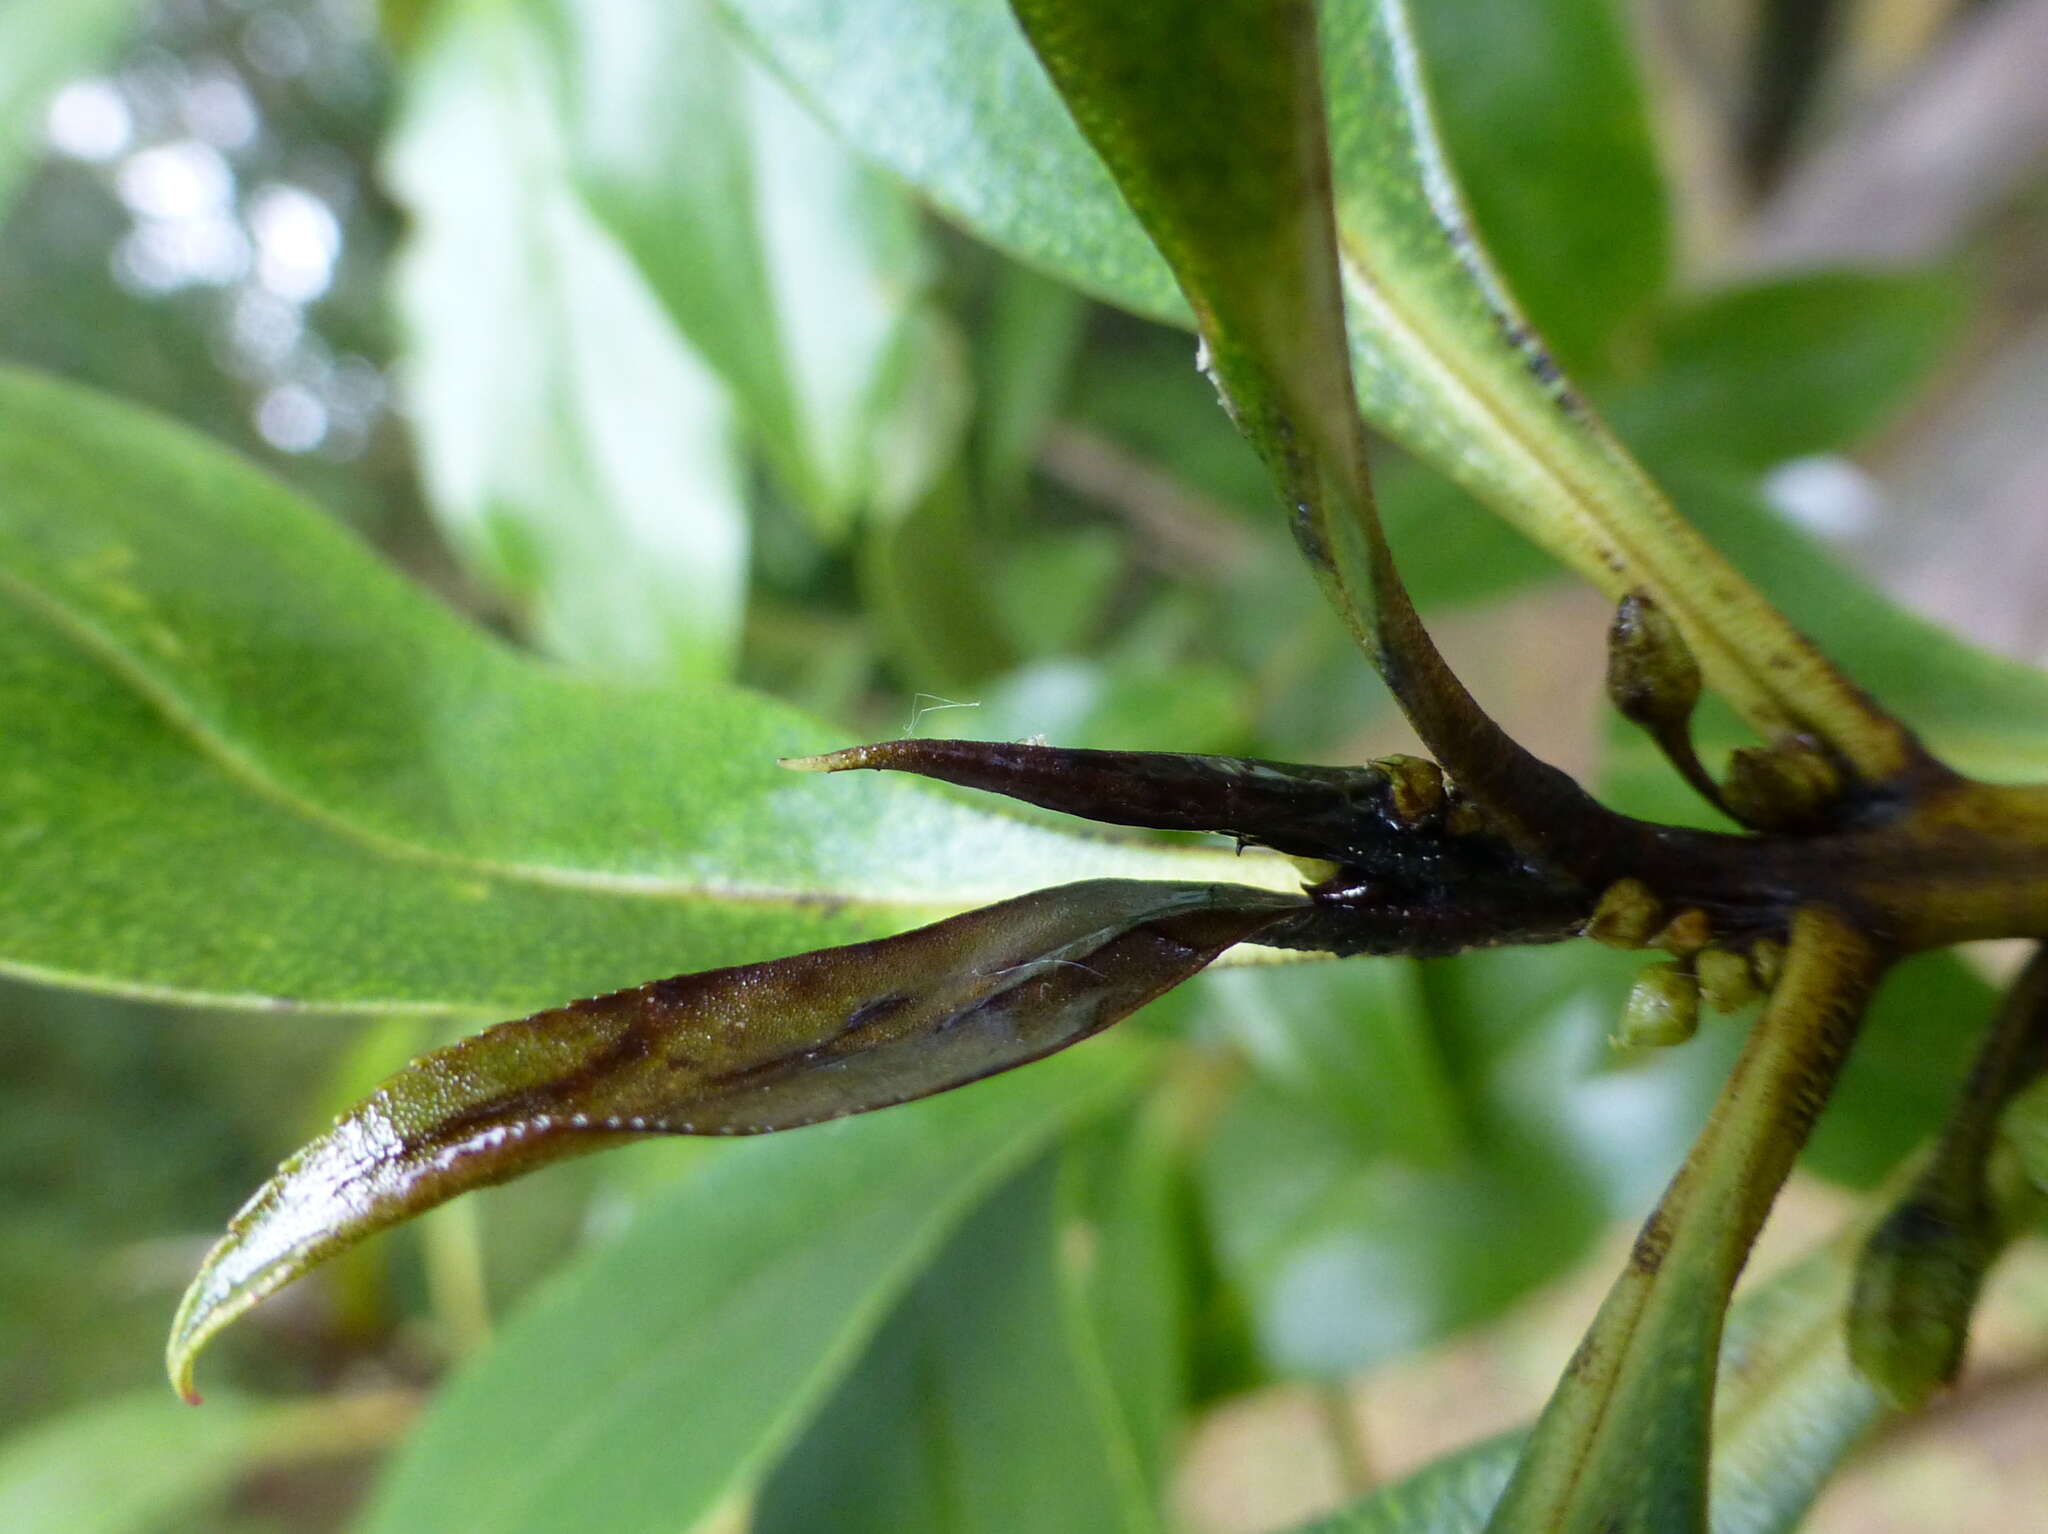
pixel 746 1050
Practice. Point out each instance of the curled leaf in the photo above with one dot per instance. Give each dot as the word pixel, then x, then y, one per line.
pixel 1408 863
pixel 745 1050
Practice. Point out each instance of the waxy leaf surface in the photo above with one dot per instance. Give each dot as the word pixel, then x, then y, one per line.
pixel 745 1050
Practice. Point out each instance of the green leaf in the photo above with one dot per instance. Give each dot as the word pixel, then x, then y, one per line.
pixel 978 1409
pixel 41 47
pixel 659 1374
pixel 1755 375
pixel 135 1464
pixel 1123 1279
pixel 1789 1409
pixel 210 688
pixel 1542 112
pixel 747 1050
pixel 1372 1151
pixel 946 94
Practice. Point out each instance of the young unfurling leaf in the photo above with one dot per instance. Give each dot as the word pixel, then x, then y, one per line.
pixel 746 1050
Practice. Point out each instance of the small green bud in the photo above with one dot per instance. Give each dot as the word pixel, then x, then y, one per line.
pixel 1790 787
pixel 1685 934
pixel 1626 915
pixel 1663 1009
pixel 1725 981
pixel 1652 678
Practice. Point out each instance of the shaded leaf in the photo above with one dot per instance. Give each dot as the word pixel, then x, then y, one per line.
pixel 979 1408
pixel 1752 376
pixel 736 1051
pixel 658 1374
pixel 209 687
pixel 1351 1178
pixel 1123 1276
pixel 1789 1409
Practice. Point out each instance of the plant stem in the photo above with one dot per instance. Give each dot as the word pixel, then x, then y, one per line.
pixel 1622 1448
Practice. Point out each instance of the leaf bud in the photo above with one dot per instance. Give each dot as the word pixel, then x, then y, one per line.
pixel 1685 934
pixel 1726 984
pixel 1916 1285
pixel 1789 787
pixel 1626 915
pixel 1662 1009
pixel 1652 678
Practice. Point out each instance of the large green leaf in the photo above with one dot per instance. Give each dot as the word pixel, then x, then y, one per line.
pixel 944 92
pixel 42 46
pixel 245 762
pixel 978 1409
pixel 140 1464
pixel 654 1377
pixel 1542 112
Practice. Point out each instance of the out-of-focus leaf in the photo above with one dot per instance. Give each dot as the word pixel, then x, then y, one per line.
pixel 41 47
pixel 1443 362
pixel 1788 1410
pixel 1756 375
pixel 574 445
pixel 879 392
pixel 630 243
pixel 662 1372
pixel 979 1409
pixel 136 1464
pixel 1124 1274
pixel 948 96
pixel 1901 1082
pixel 1033 334
pixel 761 1047
pixel 1353 1176
pixel 1541 107
pixel 210 690
pixel 925 582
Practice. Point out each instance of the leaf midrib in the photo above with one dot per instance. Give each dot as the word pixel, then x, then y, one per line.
pixel 251 772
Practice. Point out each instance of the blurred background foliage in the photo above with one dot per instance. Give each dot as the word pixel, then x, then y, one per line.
pixel 582 316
